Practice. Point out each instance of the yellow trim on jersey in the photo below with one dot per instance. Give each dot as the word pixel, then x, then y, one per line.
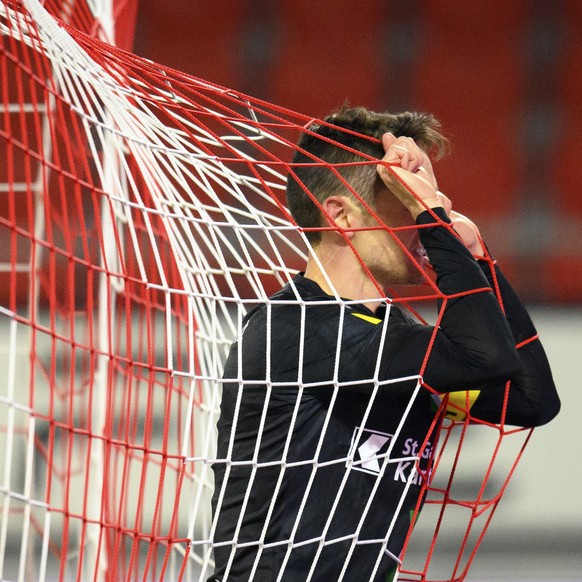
pixel 460 403
pixel 367 318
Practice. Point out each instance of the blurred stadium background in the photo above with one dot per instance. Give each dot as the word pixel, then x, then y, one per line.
pixel 505 79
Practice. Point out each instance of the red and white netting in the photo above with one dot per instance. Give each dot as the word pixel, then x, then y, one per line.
pixel 142 215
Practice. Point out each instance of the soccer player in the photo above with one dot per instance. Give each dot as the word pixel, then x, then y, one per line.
pixel 328 416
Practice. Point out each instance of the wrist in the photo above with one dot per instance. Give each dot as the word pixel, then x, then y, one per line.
pixel 435 215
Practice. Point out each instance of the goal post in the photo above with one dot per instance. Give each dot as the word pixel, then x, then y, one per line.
pixel 142 217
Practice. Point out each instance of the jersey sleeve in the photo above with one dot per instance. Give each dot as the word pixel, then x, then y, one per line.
pixel 472 345
pixel 531 399
pixel 478 345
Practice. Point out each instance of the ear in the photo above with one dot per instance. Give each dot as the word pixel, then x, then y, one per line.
pixel 341 212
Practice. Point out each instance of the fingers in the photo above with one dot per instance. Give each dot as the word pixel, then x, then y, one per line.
pixel 412 189
pixel 404 154
pixel 388 139
pixel 402 151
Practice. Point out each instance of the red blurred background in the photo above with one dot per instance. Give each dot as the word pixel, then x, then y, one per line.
pixel 504 78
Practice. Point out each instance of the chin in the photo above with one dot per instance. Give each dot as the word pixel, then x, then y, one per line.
pixel 411 274
pixel 403 280
pixel 416 278
pixel 407 273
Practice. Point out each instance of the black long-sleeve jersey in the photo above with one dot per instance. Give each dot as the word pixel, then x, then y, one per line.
pixel 327 425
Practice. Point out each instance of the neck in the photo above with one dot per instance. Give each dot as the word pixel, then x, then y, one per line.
pixel 342 274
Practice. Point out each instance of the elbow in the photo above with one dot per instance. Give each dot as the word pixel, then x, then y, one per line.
pixel 553 409
pixel 534 407
pixel 535 416
pixel 546 412
pixel 547 416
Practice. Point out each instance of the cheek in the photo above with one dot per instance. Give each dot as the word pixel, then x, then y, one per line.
pixel 409 234
pixel 393 213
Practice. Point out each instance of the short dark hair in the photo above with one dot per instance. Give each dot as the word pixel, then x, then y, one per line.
pixel 333 142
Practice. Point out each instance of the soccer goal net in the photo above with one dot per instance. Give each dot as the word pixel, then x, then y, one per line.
pixel 142 216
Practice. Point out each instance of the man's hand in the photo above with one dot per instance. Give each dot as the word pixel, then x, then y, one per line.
pixel 413 172
pixel 469 233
